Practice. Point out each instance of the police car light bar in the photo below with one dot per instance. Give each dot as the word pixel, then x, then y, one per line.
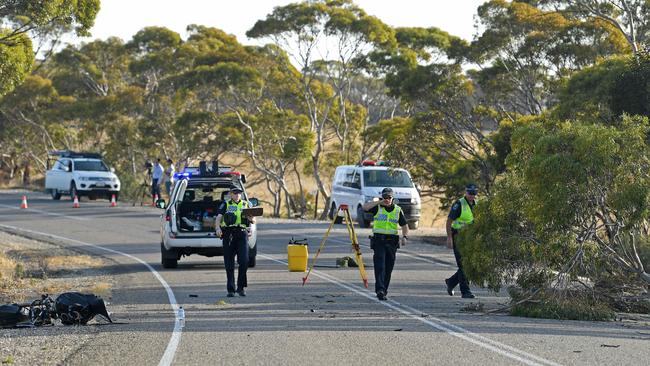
pixel 368 163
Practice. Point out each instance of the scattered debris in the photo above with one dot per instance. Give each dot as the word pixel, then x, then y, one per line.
pixel 610 345
pixel 194 295
pixel 398 330
pixel 473 307
pixel 221 303
pixel 346 262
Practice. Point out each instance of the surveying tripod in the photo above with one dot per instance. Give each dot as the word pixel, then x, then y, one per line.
pixel 353 238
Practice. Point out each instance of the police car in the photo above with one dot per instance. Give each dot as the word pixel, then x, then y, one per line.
pixel 354 185
pixel 80 174
pixel 188 224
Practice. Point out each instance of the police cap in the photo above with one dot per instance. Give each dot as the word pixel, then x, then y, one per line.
pixel 236 189
pixel 471 189
pixel 387 192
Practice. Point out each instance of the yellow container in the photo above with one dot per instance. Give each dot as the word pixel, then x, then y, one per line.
pixel 298 255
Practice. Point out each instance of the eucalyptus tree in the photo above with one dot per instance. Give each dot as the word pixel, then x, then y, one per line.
pixel 22 21
pixel 527 49
pixel 328 41
pixel 630 18
pixel 570 213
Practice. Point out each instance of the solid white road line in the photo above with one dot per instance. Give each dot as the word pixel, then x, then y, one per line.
pixel 400 252
pixel 170 351
pixel 451 329
pixel 45 212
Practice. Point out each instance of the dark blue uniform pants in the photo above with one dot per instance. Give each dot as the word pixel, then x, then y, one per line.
pixel 459 276
pixel 235 243
pixel 385 247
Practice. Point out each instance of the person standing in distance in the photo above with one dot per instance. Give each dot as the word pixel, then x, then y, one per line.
pixel 169 177
pixel 388 217
pixel 156 178
pixel 459 217
pixel 234 231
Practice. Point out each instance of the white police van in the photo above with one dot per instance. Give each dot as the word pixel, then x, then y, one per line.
pixel 188 225
pixel 353 185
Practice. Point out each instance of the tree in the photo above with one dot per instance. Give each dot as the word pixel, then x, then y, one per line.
pixel 26 20
pixel 305 30
pixel 628 17
pixel 572 209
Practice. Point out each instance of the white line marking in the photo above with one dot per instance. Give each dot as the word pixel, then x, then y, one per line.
pixel 400 252
pixel 170 351
pixel 454 330
pixel 45 212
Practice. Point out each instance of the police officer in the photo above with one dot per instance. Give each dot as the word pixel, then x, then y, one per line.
pixel 385 239
pixel 459 217
pixel 235 230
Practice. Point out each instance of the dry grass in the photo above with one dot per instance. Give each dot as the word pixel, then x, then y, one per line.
pixel 29 269
pixel 7 268
pixel 70 263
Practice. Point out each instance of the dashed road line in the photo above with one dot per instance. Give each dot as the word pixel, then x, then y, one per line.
pixel 451 329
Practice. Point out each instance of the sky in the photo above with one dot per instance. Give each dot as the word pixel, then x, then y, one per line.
pixel 124 18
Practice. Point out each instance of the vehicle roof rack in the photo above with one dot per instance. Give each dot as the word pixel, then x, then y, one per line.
pixel 75 154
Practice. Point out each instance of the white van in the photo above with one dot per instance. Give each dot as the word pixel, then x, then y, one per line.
pixel 353 185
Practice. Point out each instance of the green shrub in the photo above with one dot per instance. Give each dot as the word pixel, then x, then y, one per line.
pixel 564 305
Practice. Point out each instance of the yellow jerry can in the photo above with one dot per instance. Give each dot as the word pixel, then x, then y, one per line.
pixel 297 255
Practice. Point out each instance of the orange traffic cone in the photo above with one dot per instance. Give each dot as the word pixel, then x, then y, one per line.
pixel 75 204
pixel 113 202
pixel 23 204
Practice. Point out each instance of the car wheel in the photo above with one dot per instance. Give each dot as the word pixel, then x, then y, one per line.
pixel 333 212
pixel 252 255
pixel 55 194
pixel 413 225
pixel 169 258
pixel 73 191
pixel 361 218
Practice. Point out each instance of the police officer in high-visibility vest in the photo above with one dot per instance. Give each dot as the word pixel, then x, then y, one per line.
pixel 235 230
pixel 388 217
pixel 459 217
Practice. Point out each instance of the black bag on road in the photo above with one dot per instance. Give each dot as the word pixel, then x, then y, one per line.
pixel 77 308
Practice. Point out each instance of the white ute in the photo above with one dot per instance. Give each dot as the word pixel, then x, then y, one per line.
pixel 81 174
pixel 187 226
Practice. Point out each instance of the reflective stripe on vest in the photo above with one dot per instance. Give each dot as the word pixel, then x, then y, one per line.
pixel 466 215
pixel 386 222
pixel 236 209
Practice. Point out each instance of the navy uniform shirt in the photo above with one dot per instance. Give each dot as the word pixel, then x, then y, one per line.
pixel 402 218
pixel 457 209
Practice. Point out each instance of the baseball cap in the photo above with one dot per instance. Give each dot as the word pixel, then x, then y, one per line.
pixel 387 192
pixel 471 189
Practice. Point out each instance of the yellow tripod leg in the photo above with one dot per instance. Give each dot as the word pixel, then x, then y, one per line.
pixel 356 247
pixel 322 244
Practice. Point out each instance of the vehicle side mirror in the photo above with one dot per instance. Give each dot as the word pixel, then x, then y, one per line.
pixel 112 170
pixel 161 203
pixel 254 202
pixel 243 178
pixel 418 187
pixel 67 168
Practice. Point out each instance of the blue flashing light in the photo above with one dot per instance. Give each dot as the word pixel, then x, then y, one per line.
pixel 182 175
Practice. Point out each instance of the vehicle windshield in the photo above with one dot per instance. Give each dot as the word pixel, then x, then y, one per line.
pixel 386 178
pixel 90 165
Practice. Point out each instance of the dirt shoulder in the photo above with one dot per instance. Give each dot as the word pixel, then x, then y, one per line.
pixel 29 268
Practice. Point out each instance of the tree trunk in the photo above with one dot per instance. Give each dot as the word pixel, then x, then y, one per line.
pixel 645 277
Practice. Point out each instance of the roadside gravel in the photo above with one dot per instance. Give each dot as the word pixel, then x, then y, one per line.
pixel 48 345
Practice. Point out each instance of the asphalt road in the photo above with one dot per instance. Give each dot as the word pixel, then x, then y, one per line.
pixel 333 319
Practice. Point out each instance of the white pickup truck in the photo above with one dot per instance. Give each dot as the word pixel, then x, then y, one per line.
pixel 81 174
